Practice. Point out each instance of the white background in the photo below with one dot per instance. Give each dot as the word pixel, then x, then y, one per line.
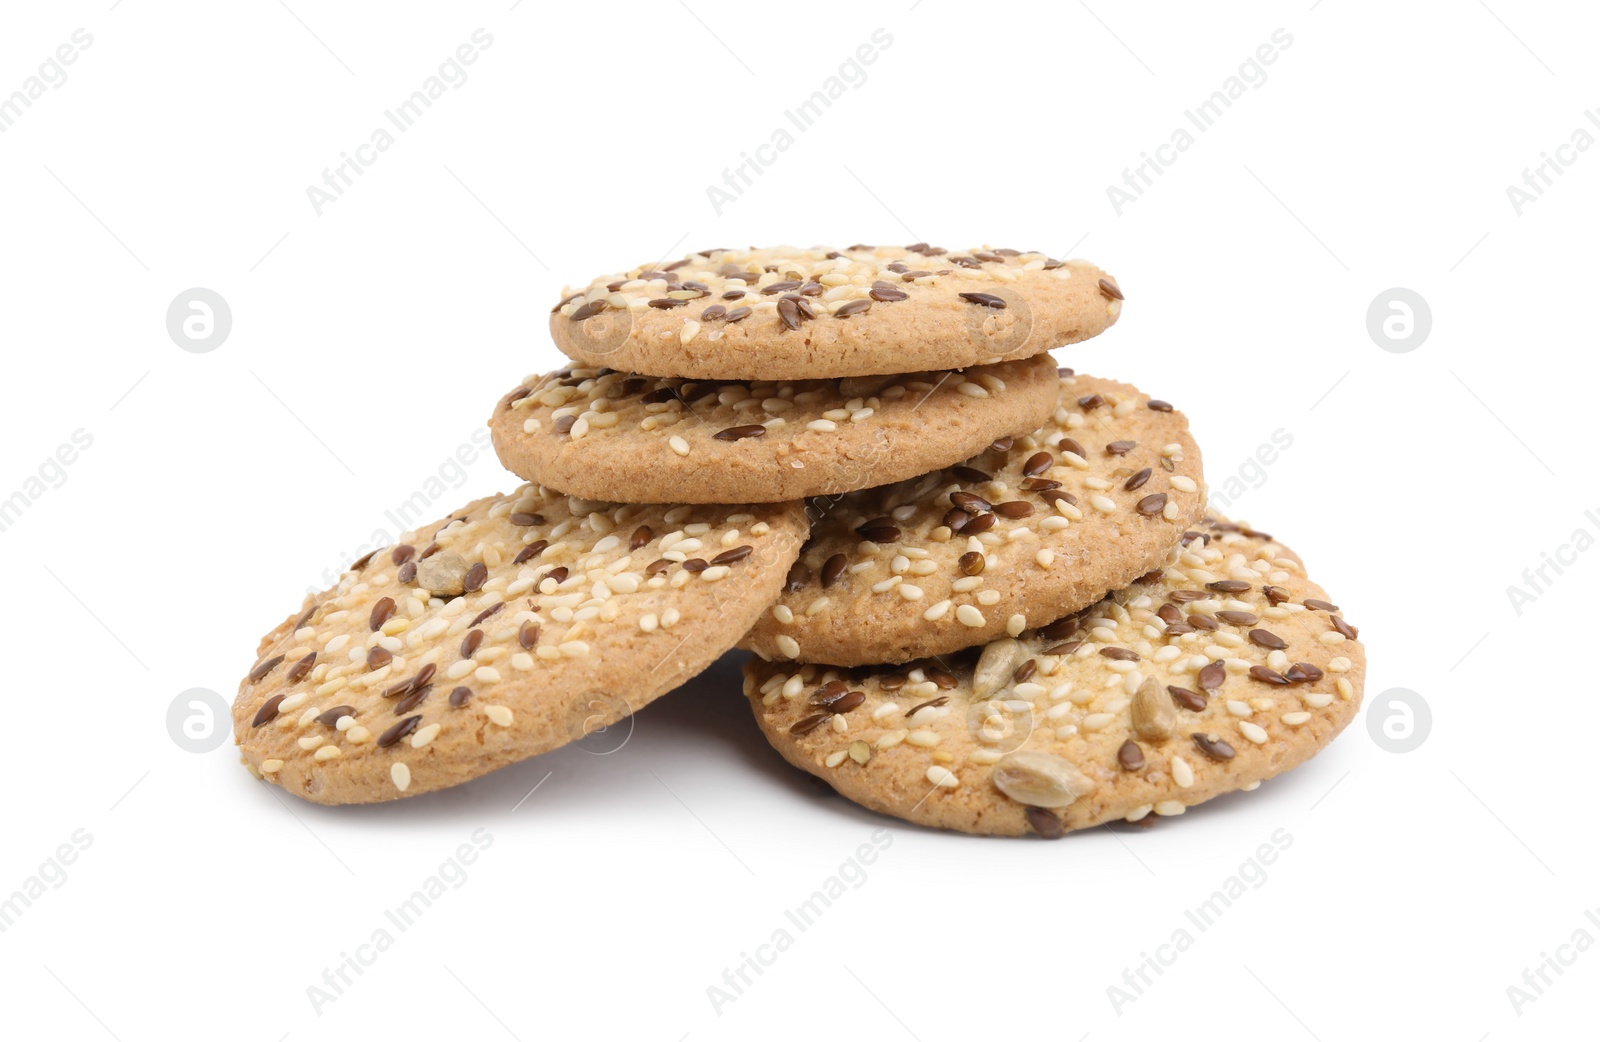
pixel 369 342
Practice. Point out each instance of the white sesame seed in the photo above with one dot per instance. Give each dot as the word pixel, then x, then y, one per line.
pixel 788 646
pixel 967 615
pixel 271 766
pixel 822 425
pixel 1104 504
pixel 943 777
pixel 714 573
pixel 327 752
pixel 909 592
pixel 1097 721
pixel 836 758
pixel 783 613
pixel 357 735
pixel 424 736
pixel 1170 808
pixel 501 716
pixel 1016 624
pixel 310 741
pixel 988 598
pixel 1253 732
pixel 571 649
pixel 1295 719
pixel 1182 773
pixel 923 739
pixel 890 740
pixel 937 611
pixel 486 674
pixel 679 446
pixel 972 390
pixel 1183 483
pixel 887 709
pixel 1317 699
pixel 400 774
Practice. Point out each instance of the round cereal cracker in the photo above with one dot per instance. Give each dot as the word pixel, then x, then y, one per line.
pixel 1221 669
pixel 518 624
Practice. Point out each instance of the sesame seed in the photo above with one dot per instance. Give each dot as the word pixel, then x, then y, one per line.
pixel 967 615
pixel 943 777
pixel 679 446
pixel 400 774
pixel 499 715
pixel 788 646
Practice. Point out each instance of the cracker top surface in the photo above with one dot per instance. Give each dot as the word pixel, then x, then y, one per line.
pixel 1033 528
pixel 729 312
pixel 1222 668
pixel 493 627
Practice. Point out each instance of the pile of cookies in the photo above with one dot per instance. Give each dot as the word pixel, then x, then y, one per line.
pixel 981 592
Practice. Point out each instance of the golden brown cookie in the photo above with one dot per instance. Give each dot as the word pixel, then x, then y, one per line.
pixel 1022 533
pixel 595 432
pixel 1224 668
pixel 516 625
pixel 791 314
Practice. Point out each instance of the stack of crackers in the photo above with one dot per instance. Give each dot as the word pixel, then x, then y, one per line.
pixel 979 592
